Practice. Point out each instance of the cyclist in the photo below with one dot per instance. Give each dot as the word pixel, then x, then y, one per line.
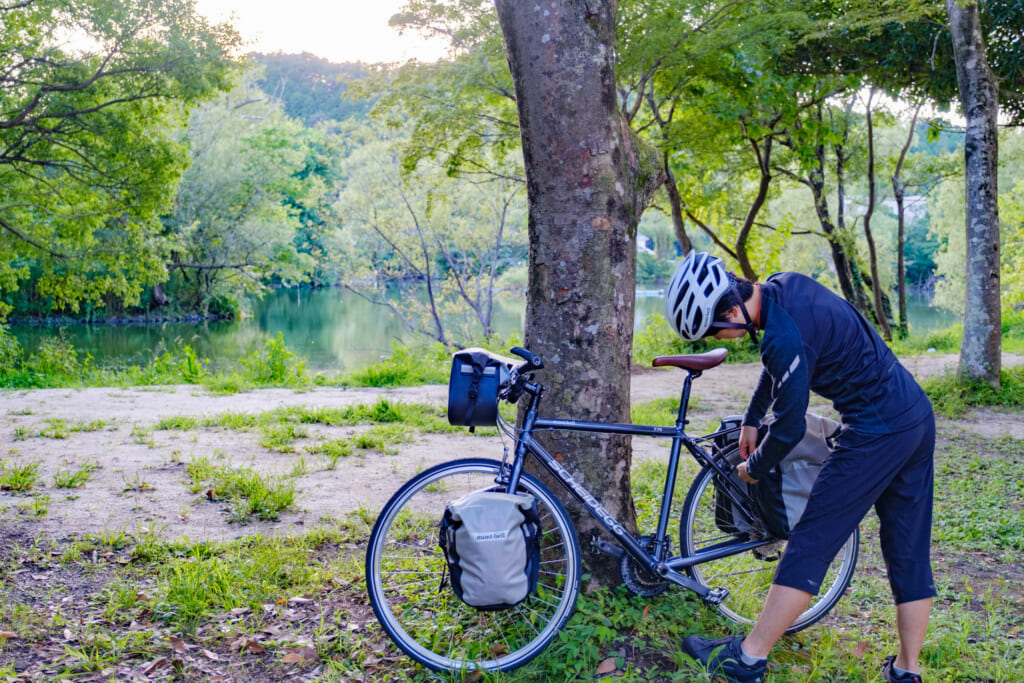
pixel 813 340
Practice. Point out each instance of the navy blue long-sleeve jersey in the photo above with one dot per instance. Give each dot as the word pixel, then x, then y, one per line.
pixel 814 340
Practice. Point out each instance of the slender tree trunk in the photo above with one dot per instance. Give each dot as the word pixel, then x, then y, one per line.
pixel 876 282
pixel 844 240
pixel 675 201
pixel 816 181
pixel 899 188
pixel 980 352
pixel 588 181
pixel 763 154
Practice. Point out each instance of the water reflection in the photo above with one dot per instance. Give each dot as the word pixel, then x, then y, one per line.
pixel 332 328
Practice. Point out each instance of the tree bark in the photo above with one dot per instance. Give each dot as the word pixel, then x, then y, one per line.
pixel 899 191
pixel 980 352
pixel 675 201
pixel 588 181
pixel 876 282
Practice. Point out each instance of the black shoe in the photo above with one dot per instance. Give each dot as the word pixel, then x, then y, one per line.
pixel 724 656
pixel 893 677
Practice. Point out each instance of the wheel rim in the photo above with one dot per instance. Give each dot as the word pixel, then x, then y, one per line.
pixel 422 615
pixel 749 575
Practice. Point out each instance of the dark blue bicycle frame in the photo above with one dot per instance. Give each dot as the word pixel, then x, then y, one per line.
pixel 666 567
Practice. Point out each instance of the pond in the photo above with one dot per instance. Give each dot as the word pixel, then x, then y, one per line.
pixel 333 329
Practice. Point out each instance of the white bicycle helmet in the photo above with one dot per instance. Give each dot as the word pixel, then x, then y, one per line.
pixel 697 285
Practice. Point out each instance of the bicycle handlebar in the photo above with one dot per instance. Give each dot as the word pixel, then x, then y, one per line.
pixel 533 361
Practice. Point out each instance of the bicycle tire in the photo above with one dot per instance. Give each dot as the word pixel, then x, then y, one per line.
pixel 748 575
pixel 418 609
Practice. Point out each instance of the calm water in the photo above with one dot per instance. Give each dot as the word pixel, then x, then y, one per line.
pixel 332 328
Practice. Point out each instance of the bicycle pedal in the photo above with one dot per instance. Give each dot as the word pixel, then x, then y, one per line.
pixel 715 596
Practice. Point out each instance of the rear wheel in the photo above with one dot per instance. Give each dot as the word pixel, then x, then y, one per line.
pixel 414 602
pixel 748 575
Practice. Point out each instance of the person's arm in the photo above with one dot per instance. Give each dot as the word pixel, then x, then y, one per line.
pixel 760 401
pixel 787 363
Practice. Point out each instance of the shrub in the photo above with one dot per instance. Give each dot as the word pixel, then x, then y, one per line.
pixel 405 367
pixel 275 364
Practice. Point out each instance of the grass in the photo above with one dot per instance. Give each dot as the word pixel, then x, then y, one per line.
pixel 230 599
pixel 18 478
pixel 247 492
pixel 66 479
pixel 952 396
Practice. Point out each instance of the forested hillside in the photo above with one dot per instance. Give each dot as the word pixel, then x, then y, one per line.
pixel 189 188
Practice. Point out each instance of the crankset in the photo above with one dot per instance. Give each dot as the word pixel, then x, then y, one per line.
pixel 640 580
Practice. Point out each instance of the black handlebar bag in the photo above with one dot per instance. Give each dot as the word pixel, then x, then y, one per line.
pixel 477 374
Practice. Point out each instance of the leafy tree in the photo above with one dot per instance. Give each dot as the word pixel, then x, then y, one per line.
pixel 231 227
pixel 89 92
pixel 452 236
pixel 314 90
pixel 312 199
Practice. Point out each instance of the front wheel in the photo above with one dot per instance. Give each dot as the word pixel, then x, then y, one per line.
pixel 748 575
pixel 414 602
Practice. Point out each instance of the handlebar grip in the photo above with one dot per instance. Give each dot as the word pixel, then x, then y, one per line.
pixel 533 361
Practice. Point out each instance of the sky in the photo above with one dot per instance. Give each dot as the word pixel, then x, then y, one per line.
pixel 337 30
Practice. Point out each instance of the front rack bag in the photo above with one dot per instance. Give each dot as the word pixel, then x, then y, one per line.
pixel 473 387
pixel 491 543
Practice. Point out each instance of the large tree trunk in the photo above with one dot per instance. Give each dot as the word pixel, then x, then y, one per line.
pixel 980 352
pixel 587 184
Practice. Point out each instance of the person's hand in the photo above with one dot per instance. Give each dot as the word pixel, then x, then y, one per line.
pixel 741 470
pixel 748 441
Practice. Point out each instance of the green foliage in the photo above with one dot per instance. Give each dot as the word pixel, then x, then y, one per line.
pixel 406 366
pixel 659 411
pixel 977 518
pixel 66 479
pixel 952 396
pixel 248 492
pixel 212 580
pixel 275 364
pixel 18 477
pixel 187 367
pixel 420 224
pixel 313 89
pixel 86 124
pixel 651 270
pixel 57 357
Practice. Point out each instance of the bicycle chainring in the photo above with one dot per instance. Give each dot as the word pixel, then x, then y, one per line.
pixel 639 580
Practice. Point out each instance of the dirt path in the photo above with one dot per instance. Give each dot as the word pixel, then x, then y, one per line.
pixel 140 484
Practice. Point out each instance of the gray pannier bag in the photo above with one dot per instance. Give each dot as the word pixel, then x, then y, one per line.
pixel 782 494
pixel 491 543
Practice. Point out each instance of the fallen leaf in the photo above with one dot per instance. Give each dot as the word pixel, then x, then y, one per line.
pixel 69 636
pixel 211 494
pixel 606 667
pixel 299 655
pixel 298 600
pixel 212 656
pixel 647 611
pixel 8 634
pixel 238 611
pixel 178 645
pixel 158 663
pixel 861 648
pixel 249 643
